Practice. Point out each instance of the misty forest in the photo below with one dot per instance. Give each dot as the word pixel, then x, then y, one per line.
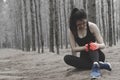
pixel 34 37
pixel 34 25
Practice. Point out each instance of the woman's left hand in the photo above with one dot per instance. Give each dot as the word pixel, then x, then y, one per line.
pixel 93 46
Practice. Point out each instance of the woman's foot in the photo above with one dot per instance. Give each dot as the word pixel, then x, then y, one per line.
pixel 105 65
pixel 95 72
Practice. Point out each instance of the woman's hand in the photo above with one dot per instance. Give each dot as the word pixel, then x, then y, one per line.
pixel 86 47
pixel 91 46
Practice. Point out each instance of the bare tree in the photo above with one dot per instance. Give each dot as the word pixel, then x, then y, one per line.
pixel 27 37
pixel 71 4
pixel 21 21
pixel 37 25
pixel 110 25
pixel 32 25
pixel 84 4
pixel 60 24
pixel 51 26
pixel 56 26
pixel 40 23
pixel 91 10
pixel 65 18
pixel 103 21
pixel 113 23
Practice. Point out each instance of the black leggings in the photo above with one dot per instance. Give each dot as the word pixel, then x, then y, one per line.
pixel 86 59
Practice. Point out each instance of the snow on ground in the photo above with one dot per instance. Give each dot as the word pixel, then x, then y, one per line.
pixel 18 65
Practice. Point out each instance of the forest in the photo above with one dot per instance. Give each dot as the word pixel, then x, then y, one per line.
pixel 34 38
pixel 36 25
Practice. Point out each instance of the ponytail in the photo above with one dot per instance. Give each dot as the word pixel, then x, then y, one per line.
pixel 71 22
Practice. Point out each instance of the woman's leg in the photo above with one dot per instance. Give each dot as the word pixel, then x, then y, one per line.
pixel 94 56
pixel 85 61
pixel 101 56
pixel 82 62
pixel 72 60
pixel 102 63
pixel 97 56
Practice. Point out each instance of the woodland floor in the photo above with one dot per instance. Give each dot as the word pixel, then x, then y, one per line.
pixel 18 65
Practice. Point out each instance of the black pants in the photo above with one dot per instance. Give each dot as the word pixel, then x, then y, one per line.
pixel 86 59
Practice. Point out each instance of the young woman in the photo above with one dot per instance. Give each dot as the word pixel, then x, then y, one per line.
pixel 85 38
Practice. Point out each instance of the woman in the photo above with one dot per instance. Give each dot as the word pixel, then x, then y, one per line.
pixel 85 38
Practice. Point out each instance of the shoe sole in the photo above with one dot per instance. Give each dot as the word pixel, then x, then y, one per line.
pixel 110 66
pixel 95 78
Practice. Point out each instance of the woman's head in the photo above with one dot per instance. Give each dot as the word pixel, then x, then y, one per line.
pixel 77 20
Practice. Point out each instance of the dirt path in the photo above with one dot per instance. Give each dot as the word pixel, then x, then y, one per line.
pixel 18 65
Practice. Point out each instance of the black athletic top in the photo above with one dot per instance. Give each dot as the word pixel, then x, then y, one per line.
pixel 87 39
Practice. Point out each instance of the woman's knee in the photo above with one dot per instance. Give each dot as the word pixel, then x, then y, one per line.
pixel 70 59
pixel 99 54
pixel 67 58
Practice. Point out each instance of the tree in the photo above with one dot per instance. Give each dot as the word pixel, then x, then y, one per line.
pixel 27 37
pixel 60 24
pixel 56 27
pixel 40 23
pixel 113 23
pixel 110 21
pixel 84 4
pixel 91 10
pixel 32 25
pixel 37 25
pixel 71 4
pixel 103 21
pixel 65 16
pixel 51 49
pixel 21 20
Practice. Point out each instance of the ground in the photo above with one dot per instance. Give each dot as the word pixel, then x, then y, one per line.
pixel 18 65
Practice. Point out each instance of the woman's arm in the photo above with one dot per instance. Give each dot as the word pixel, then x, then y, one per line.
pixel 74 47
pixel 97 35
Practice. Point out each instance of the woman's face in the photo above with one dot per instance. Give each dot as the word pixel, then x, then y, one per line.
pixel 81 23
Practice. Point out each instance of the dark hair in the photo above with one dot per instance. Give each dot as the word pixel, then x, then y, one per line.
pixel 76 14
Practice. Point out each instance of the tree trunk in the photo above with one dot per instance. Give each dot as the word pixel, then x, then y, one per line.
pixel 91 10
pixel 109 20
pixel 40 23
pixel 56 27
pixel 32 24
pixel 21 20
pixel 84 4
pixel 113 22
pixel 60 23
pixel 51 26
pixel 66 38
pixel 71 4
pixel 38 32
pixel 103 21
pixel 27 37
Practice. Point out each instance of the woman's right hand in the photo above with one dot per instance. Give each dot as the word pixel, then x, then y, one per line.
pixel 91 46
